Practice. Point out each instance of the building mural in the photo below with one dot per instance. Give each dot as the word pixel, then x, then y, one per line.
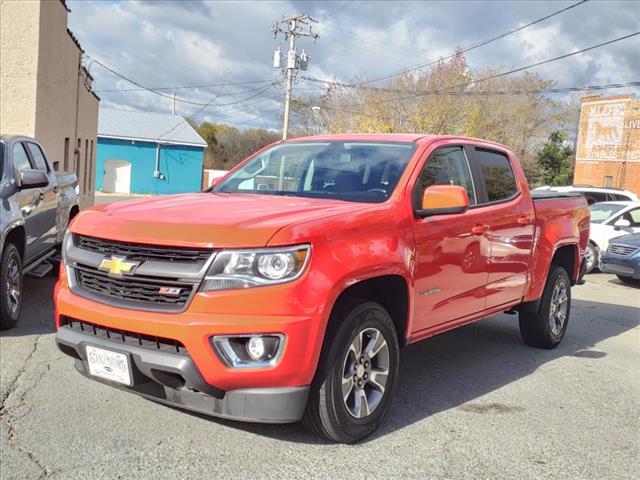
pixel 608 153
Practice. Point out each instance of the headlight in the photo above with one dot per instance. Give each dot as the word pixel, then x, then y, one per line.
pixel 233 269
pixel 67 242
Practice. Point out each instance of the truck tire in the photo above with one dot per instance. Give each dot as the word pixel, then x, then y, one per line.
pixel 356 374
pixel 629 280
pixel 546 327
pixel 11 292
pixel 591 258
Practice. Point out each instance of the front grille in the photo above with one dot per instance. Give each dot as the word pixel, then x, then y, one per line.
pixel 622 250
pixel 123 336
pixel 140 290
pixel 141 252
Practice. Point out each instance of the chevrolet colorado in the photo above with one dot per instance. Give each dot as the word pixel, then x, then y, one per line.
pixel 36 205
pixel 287 291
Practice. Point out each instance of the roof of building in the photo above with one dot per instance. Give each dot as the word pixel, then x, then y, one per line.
pixel 148 127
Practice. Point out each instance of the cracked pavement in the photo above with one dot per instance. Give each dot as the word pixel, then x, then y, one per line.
pixel 472 403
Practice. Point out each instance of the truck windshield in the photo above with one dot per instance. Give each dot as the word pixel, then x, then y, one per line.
pixel 351 171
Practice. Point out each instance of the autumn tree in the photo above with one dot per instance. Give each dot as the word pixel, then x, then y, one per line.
pixel 449 99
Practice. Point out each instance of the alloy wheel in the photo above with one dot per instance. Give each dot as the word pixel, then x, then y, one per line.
pixel 13 285
pixel 365 372
pixel 559 307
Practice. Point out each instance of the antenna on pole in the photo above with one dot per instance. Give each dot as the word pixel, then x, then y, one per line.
pixel 292 28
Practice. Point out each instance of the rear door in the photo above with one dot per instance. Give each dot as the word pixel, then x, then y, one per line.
pixel 511 226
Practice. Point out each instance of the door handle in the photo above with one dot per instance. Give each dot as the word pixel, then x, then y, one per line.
pixel 480 229
pixel 56 189
pixel 523 220
pixel 41 196
pixel 26 211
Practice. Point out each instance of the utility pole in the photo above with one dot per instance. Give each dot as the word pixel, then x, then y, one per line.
pixel 292 27
pixel 174 103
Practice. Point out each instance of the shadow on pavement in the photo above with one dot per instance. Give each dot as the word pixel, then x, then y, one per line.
pixel 37 310
pixel 449 370
pixel 437 374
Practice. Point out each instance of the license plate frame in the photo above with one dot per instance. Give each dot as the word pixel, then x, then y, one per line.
pixel 109 365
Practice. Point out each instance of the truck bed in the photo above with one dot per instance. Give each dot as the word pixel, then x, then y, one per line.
pixel 561 219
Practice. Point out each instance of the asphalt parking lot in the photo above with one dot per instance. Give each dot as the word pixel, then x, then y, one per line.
pixel 472 403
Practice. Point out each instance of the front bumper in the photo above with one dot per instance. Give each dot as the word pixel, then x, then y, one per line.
pixel 173 378
pixel 622 268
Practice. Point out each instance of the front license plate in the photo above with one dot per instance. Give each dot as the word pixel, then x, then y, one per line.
pixel 109 365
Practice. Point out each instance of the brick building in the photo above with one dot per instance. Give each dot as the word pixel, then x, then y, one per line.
pixel 608 153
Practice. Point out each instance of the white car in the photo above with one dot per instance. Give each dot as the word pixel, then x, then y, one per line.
pixel 596 194
pixel 608 221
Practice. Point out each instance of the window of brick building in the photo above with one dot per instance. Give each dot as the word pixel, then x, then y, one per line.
pixel 608 182
pixel 66 154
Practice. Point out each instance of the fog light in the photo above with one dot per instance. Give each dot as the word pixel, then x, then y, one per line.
pixel 246 351
pixel 255 348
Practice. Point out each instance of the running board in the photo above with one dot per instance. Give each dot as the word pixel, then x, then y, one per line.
pixel 41 266
pixel 40 270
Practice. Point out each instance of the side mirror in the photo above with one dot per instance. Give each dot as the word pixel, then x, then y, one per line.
pixel 443 200
pixel 622 223
pixel 33 179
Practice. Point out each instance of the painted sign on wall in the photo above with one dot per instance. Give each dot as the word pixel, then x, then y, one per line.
pixel 604 130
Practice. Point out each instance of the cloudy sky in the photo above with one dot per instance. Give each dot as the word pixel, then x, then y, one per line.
pixel 222 46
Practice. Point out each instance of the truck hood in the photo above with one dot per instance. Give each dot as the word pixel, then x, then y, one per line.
pixel 208 220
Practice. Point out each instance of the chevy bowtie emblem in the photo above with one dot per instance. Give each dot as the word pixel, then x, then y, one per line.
pixel 117 266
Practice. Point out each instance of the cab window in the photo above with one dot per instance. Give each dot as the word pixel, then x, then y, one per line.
pixel 20 158
pixel 38 157
pixel 499 179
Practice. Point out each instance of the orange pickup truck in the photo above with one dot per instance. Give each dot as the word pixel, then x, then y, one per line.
pixel 286 292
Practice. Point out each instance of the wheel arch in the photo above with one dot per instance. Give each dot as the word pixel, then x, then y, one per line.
pixel 565 256
pixel 390 291
pixel 18 237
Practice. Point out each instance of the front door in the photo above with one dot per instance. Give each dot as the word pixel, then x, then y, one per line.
pixel 32 206
pixel 451 250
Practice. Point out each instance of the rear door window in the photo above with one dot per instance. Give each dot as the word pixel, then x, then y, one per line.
pixel 38 157
pixel 595 197
pixel 499 179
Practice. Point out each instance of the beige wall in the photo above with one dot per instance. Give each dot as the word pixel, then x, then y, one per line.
pixel 19 23
pixel 52 58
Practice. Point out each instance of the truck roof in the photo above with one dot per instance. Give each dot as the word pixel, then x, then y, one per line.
pixel 386 137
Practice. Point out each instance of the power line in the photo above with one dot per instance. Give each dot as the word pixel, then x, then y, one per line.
pixel 505 93
pixel 339 9
pixel 476 45
pixel 491 93
pixel 181 100
pixel 418 93
pixel 181 87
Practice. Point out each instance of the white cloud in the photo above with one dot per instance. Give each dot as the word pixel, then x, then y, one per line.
pixel 161 44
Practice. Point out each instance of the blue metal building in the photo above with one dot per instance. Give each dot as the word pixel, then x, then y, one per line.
pixel 145 152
